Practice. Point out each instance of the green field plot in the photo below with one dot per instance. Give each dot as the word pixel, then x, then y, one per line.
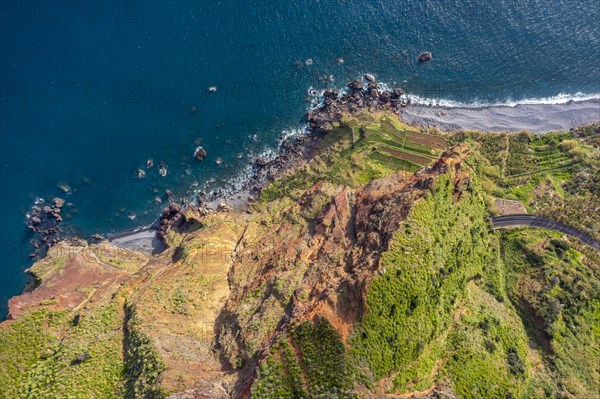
pixel 360 149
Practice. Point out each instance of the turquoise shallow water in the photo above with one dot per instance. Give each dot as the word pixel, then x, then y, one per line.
pixel 90 91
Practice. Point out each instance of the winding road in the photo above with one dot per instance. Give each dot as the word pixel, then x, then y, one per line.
pixel 503 222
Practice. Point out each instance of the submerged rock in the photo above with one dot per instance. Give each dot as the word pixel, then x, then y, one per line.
pixel 59 202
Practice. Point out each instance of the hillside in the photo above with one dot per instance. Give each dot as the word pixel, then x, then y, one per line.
pixel 370 271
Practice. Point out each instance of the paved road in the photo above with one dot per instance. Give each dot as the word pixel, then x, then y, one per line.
pixel 503 222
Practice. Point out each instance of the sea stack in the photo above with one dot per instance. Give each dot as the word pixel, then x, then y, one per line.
pixel 199 153
pixel 425 56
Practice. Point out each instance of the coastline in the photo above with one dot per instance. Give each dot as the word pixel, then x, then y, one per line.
pixel 326 109
pixel 537 118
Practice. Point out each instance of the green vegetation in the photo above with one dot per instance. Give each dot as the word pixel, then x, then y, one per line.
pixel 557 292
pixel 553 175
pixel 487 353
pixel 443 244
pixel 45 355
pixel 363 148
pixel 142 364
pixel 23 345
pixel 453 304
pixel 280 375
pixel 445 311
pixel 317 367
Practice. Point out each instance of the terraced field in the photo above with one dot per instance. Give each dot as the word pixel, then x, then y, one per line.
pixel 399 146
pixel 536 157
pixel 361 148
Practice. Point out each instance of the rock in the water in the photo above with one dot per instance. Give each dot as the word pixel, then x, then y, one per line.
pixel 425 56
pixel 356 85
pixel 199 153
pixel 59 202
pixel 370 77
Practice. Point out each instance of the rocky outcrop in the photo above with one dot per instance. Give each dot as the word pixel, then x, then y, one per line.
pixel 200 153
pixel 171 217
pixel 45 221
pixel 425 56
pixel 363 94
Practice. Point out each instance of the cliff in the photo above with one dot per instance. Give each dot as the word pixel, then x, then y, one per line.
pixel 370 271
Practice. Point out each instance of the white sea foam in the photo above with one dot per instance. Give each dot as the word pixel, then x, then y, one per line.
pixel 316 100
pixel 561 98
pixel 238 181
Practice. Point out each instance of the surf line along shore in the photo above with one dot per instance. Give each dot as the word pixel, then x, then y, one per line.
pixel 364 93
pixel 536 118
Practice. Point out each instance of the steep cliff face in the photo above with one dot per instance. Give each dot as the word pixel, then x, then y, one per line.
pixel 369 272
pixel 317 259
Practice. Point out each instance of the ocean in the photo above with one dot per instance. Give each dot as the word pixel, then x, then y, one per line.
pixel 91 90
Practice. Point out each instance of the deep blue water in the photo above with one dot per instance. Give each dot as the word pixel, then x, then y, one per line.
pixel 91 90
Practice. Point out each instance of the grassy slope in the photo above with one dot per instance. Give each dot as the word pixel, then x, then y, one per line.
pixel 425 324
pixel 442 245
pixel 556 289
pixel 354 159
pixel 45 356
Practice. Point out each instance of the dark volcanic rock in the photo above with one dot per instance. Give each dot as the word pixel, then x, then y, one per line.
pixel 171 216
pixel 200 153
pixel 397 92
pixel 174 208
pixel 356 85
pixel 425 56
pixel 45 224
pixel 324 119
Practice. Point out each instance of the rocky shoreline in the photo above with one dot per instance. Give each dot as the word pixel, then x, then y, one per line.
pixel 362 94
pixel 45 221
